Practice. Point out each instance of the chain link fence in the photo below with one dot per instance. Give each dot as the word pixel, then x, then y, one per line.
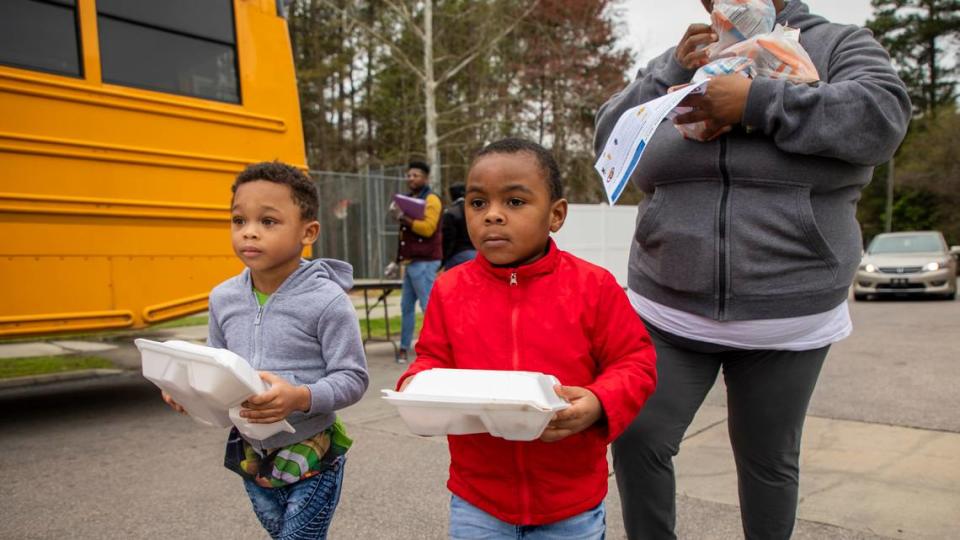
pixel 354 224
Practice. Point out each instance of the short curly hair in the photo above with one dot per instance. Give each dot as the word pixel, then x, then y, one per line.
pixel 422 165
pixel 545 160
pixel 303 189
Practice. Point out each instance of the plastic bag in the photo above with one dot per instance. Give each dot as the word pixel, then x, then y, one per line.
pixel 737 20
pixel 725 66
pixel 777 55
pixel 750 43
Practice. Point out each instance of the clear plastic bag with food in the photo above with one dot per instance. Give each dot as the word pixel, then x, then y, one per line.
pixel 725 66
pixel 737 20
pixel 777 55
pixel 750 44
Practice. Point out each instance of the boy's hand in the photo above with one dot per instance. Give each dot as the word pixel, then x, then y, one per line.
pixel 173 404
pixel 276 403
pixel 584 411
pixel 406 382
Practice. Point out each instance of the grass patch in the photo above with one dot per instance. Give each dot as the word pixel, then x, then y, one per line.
pixel 378 328
pixel 192 320
pixel 66 336
pixel 44 365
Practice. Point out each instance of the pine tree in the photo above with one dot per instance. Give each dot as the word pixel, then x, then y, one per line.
pixel 919 35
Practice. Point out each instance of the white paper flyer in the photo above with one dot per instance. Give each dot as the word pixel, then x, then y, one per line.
pixel 630 137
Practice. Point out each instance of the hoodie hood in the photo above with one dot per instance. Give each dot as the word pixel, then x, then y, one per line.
pixel 311 275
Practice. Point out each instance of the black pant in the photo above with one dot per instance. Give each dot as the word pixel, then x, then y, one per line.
pixel 767 397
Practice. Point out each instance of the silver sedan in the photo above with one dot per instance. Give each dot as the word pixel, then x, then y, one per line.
pixel 908 263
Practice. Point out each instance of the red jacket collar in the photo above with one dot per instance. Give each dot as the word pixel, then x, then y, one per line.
pixel 543 265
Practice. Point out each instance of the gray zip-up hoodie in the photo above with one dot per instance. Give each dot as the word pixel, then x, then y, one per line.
pixel 763 225
pixel 307 332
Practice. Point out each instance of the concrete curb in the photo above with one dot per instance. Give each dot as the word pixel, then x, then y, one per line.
pixel 34 380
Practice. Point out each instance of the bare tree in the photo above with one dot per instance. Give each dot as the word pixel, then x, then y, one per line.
pixel 427 70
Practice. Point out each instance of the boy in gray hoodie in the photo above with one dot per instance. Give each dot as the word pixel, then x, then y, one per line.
pixel 292 320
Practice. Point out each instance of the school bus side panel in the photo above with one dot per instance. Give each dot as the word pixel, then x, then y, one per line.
pixel 114 201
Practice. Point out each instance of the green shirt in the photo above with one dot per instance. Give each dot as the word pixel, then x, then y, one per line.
pixel 261 297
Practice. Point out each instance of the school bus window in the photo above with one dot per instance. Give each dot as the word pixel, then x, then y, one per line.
pixel 40 35
pixel 183 47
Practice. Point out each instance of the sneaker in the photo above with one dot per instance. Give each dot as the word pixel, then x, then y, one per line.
pixel 401 356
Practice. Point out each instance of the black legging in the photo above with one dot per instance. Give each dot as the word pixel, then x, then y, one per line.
pixel 767 397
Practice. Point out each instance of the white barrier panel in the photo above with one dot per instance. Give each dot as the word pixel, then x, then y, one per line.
pixel 600 234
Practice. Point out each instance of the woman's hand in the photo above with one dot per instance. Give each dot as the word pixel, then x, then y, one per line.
pixel 276 403
pixel 691 53
pixel 584 411
pixel 720 107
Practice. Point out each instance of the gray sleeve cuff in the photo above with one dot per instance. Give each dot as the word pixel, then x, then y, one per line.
pixel 321 398
pixel 673 73
pixel 763 92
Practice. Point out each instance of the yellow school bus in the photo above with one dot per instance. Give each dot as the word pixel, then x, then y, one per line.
pixel 122 126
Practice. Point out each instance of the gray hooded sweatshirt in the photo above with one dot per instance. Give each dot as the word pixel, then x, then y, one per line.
pixel 307 332
pixel 761 223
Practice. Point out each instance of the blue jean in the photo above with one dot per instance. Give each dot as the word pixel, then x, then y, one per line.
pixel 417 282
pixel 460 257
pixel 299 511
pixel 467 522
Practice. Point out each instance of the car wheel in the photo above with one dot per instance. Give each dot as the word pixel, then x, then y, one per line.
pixel 859 297
pixel 950 296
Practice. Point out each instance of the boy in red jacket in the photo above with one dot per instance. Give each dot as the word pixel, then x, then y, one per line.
pixel 523 304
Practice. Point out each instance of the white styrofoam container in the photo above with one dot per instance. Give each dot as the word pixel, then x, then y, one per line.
pixel 514 405
pixel 209 383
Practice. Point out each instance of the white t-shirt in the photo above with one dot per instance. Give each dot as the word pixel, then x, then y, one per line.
pixel 791 334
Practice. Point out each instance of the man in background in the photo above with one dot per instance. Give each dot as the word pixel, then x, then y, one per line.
pixel 420 252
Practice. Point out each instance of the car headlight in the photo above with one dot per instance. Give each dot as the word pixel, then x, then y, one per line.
pixel 871 268
pixel 932 267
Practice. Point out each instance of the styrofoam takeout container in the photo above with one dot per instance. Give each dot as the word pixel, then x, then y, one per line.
pixel 209 383
pixel 514 405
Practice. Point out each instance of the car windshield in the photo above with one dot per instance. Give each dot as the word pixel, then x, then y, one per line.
pixel 913 243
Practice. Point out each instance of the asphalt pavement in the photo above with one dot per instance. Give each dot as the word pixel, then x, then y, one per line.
pixel 104 457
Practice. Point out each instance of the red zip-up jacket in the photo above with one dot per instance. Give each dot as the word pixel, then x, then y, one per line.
pixel 559 315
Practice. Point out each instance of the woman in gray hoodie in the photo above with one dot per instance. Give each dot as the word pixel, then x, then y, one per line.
pixel 744 251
